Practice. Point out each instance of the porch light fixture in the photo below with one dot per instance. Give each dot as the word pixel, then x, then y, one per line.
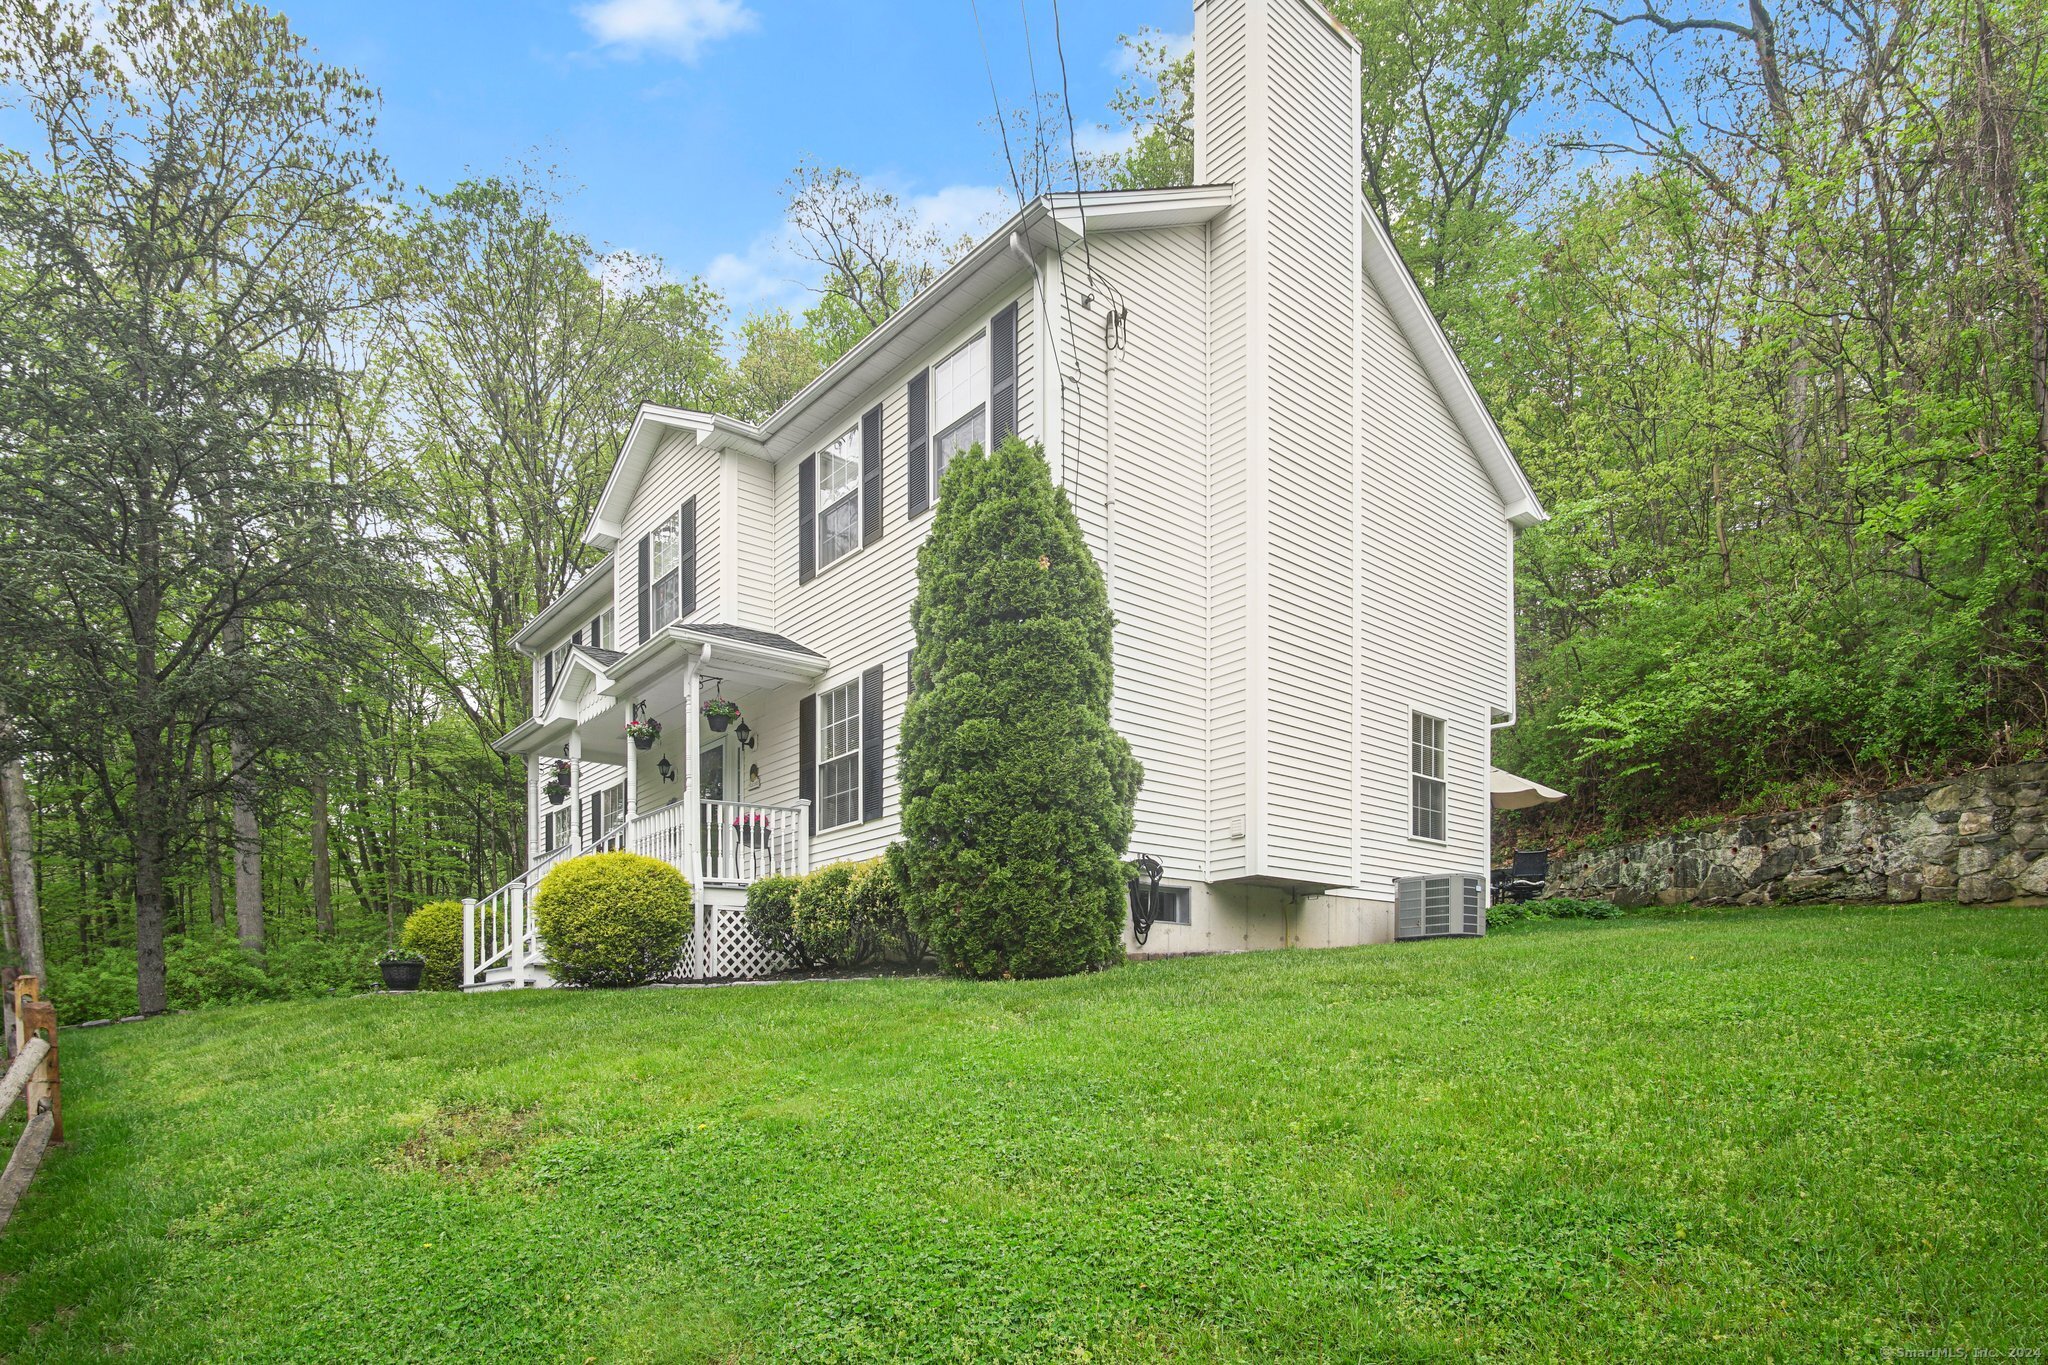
pixel 666 769
pixel 744 733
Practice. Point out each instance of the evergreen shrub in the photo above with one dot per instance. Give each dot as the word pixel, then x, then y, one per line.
pixel 434 931
pixel 1017 793
pixel 612 919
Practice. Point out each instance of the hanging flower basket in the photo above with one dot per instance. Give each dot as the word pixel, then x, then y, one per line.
pixel 643 733
pixel 719 713
pixel 556 788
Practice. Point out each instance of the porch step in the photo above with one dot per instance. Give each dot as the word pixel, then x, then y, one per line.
pixel 500 979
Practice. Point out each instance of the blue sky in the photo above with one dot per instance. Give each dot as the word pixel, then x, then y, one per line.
pixel 676 121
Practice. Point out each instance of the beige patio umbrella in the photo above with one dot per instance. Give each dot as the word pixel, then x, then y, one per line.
pixel 1518 793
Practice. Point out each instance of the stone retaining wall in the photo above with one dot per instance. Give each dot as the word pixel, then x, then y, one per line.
pixel 1981 837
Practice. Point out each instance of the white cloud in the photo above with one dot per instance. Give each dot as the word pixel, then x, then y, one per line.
pixel 765 275
pixel 673 28
pixel 770 273
pixel 964 210
pixel 1099 139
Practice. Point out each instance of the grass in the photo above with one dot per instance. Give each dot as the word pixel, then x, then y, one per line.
pixel 1795 1135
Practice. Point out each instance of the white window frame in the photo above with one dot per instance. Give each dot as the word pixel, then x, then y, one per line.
pixel 842 761
pixel 845 452
pixel 1179 899
pixel 967 403
pixel 667 535
pixel 555 662
pixel 549 842
pixel 1421 778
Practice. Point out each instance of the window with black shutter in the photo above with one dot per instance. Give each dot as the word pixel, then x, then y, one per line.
pixel 871 475
pixel 807 519
pixel 1002 374
pixel 918 420
pixel 871 744
pixel 672 568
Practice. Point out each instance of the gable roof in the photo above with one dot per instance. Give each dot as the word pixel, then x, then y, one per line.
pixel 990 266
pixel 1425 336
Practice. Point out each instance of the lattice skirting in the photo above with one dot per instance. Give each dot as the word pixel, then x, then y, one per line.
pixel 728 947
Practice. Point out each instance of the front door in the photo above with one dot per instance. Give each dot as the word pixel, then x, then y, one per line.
pixel 712 787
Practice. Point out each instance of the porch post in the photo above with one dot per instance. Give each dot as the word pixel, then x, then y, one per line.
pixel 632 797
pixel 515 913
pixel 468 942
pixel 693 813
pixel 576 840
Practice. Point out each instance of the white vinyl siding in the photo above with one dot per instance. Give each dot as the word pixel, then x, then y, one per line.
pixel 839 756
pixel 1429 804
pixel 680 470
pixel 861 610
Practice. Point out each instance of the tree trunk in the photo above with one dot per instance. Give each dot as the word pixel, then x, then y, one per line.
pixel 248 840
pixel 146 837
pixel 216 901
pixel 21 866
pixel 323 872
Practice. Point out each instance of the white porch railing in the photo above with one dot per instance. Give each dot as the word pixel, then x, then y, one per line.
pixel 742 842
pixel 737 842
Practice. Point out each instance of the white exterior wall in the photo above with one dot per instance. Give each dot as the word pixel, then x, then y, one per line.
pixel 1276 117
pixel 1438 564
pixel 678 472
pixel 856 612
pixel 1139 478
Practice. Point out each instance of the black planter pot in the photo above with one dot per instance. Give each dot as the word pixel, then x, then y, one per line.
pixel 718 723
pixel 401 976
pixel 643 742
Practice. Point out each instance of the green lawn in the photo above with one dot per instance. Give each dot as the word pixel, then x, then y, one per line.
pixel 1792 1134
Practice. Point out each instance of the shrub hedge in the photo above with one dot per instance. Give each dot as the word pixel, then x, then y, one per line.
pixel 842 915
pixel 434 931
pixel 612 919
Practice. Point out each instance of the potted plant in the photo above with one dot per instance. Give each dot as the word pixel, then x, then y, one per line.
pixel 752 829
pixel 401 970
pixel 719 713
pixel 643 732
pixel 556 788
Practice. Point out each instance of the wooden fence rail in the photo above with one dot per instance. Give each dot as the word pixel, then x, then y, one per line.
pixel 33 1078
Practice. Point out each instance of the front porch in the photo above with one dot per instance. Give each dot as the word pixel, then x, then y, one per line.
pixel 673 794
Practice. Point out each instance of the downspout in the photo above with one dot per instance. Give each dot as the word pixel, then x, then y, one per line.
pixel 1042 322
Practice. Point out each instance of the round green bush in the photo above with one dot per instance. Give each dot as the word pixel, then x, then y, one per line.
pixel 771 914
pixel 823 919
pixel 434 931
pixel 612 919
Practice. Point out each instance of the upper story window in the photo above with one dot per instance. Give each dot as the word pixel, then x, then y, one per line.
pixel 839 752
pixel 668 572
pixel 552 665
pixel 839 498
pixel 1426 761
pixel 959 403
pixel 598 634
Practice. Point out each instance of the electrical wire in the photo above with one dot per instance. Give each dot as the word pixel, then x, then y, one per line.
pixel 1002 125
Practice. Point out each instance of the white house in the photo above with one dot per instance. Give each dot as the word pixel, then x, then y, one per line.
pixel 1304 514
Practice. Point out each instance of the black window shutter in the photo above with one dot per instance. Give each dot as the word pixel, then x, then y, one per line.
pixel 645 564
pixel 596 814
pixel 871 744
pixel 688 550
pixel 871 475
pixel 1002 375
pixel 807 519
pixel 576 637
pixel 595 635
pixel 547 677
pixel 920 446
pixel 807 754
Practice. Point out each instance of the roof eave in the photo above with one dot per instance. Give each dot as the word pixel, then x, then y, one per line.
pixel 1403 298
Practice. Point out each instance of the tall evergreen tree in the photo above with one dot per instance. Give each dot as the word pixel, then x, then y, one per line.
pixel 1017 793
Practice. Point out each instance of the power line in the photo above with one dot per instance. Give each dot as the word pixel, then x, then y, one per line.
pixel 1002 124
pixel 1073 144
